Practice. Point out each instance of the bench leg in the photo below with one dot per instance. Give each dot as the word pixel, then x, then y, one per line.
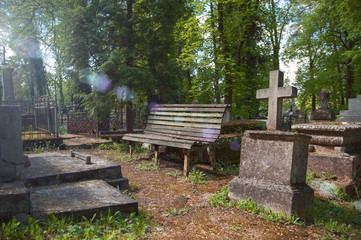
pixel 130 149
pixel 156 154
pixel 186 162
pixel 212 157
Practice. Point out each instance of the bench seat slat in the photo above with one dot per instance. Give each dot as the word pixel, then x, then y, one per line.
pixel 186 119
pixel 181 109
pixel 189 114
pixel 159 140
pixel 185 129
pixel 194 125
pixel 160 143
pixel 161 137
pixel 208 140
pixel 184 132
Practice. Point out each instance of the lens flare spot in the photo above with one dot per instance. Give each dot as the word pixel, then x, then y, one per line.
pixel 101 82
pixel 234 145
pixel 124 93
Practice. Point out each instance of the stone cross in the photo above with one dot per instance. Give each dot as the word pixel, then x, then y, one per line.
pixel 275 95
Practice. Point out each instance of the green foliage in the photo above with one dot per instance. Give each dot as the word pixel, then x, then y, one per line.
pixel 174 173
pixel 197 177
pixel 337 219
pixel 327 176
pixel 310 176
pixel 174 212
pixel 227 168
pixel 148 165
pixel 110 226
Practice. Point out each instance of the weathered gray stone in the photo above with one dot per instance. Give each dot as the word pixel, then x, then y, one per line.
pixel 343 166
pixel 338 134
pixel 273 171
pixel 353 114
pixel 288 199
pixel 55 168
pixel 11 150
pixel 80 199
pixel 275 157
pixel 326 189
pixel 8 83
pixel 275 95
pixel 14 199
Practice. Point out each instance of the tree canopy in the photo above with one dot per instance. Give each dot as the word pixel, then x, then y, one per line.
pixel 102 55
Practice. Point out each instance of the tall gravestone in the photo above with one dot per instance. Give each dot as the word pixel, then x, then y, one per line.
pixel 11 150
pixel 273 164
pixel 8 83
pixel 14 198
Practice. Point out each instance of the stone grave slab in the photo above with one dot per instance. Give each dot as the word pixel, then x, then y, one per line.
pixel 79 199
pixel 55 168
pixel 14 199
pixel 335 147
pixel 272 171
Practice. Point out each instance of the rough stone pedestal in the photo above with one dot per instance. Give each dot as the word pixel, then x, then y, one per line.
pixel 11 149
pixel 273 172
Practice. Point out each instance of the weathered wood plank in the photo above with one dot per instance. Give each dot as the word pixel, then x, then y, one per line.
pixel 202 139
pixel 194 125
pixel 186 119
pixel 159 137
pixel 159 142
pixel 183 109
pixel 188 114
pixel 184 130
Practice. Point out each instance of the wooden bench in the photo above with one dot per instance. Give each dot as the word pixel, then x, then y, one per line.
pixel 182 126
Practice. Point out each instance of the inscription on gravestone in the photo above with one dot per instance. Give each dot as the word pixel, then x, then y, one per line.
pixel 275 95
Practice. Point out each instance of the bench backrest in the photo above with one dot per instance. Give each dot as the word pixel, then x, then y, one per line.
pixel 198 122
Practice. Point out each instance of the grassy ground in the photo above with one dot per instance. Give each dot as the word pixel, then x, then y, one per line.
pixel 197 207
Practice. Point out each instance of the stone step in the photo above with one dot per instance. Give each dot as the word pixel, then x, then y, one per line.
pixel 54 168
pixel 14 199
pixel 354 104
pixel 350 113
pixel 79 199
pixel 350 119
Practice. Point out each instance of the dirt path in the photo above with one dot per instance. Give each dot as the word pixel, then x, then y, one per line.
pixel 158 192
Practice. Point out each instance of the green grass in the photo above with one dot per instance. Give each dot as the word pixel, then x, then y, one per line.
pixel 174 212
pixel 337 219
pixel 174 173
pixel 98 227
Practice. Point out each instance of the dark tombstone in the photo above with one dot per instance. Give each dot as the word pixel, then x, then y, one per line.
pixel 323 113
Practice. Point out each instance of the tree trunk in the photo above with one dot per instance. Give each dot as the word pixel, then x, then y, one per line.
pixel 226 53
pixel 130 64
pixel 349 79
pixel 216 74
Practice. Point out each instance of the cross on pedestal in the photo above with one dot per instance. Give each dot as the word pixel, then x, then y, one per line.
pixel 275 94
